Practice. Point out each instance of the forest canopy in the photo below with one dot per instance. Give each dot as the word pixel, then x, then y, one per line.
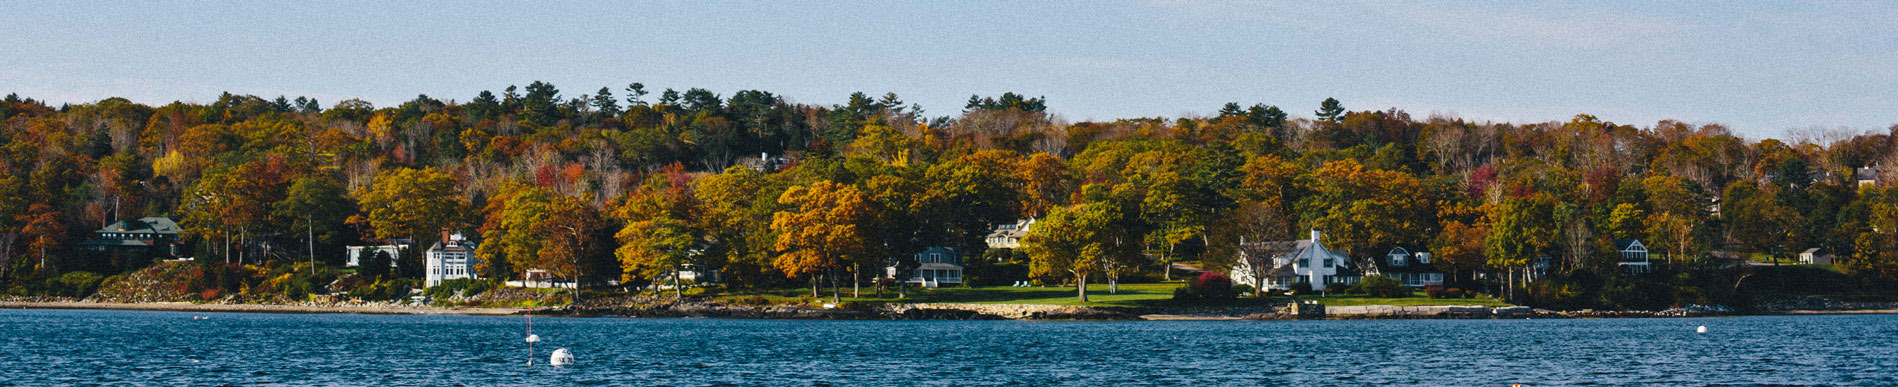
pixel 624 184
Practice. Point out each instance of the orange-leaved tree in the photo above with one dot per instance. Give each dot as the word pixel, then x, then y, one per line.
pixel 820 231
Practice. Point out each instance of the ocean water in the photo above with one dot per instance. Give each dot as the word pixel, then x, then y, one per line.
pixel 92 347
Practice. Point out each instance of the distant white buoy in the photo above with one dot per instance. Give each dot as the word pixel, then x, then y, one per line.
pixel 561 357
pixel 533 338
pixel 1701 329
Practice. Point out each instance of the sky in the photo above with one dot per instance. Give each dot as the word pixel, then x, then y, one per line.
pixel 1760 68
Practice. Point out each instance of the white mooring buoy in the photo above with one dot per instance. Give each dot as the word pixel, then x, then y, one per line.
pixel 1701 329
pixel 561 357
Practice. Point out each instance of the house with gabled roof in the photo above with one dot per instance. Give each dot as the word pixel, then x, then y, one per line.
pixel 1282 264
pixel 936 266
pixel 1634 256
pixel 1408 264
pixel 155 235
pixel 450 258
pixel 1814 256
pixel 1009 236
pixel 1867 175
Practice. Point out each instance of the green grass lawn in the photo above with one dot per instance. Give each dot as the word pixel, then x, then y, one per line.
pixel 1149 294
pixel 1128 295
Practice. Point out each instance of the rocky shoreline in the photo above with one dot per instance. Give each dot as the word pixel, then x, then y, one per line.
pixel 927 311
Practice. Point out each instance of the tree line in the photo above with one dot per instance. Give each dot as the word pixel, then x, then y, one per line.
pixel 611 186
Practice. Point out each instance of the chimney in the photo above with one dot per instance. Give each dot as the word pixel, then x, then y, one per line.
pixel 445 236
pixel 1314 236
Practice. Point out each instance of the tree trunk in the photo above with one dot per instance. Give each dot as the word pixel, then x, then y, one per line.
pixel 677 290
pixel 815 279
pixel 902 289
pixel 1166 269
pixel 1080 286
pixel 856 281
pixel 309 237
pixel 836 292
pixel 1113 284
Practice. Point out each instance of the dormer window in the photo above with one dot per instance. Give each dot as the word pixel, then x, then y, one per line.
pixel 1423 257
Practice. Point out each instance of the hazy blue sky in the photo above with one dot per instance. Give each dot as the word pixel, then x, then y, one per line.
pixel 1759 67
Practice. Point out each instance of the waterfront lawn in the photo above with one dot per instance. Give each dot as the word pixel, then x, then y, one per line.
pixel 1129 295
pixel 1406 301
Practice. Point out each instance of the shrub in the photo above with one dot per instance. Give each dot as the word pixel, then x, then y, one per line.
pixel 1302 288
pixel 1210 287
pixel 384 290
pixel 1337 288
pixel 78 284
pixel 465 287
pixel 1381 286
pixel 1243 289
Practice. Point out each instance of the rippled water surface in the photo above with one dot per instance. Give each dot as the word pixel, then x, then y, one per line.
pixel 66 347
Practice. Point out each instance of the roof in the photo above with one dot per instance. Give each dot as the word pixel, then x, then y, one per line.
pixel 116 242
pixel 147 225
pixel 1814 250
pixel 1264 254
pixel 1866 173
pixel 1624 244
pixel 1016 230
pixel 1381 263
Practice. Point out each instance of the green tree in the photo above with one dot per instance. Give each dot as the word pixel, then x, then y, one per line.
pixel 604 103
pixel 1330 110
pixel 1362 208
pixel 654 247
pixel 1760 221
pixel 736 209
pixel 410 203
pixel 319 208
pixel 536 228
pixel 1074 241
pixel 1522 229
pixel 1625 222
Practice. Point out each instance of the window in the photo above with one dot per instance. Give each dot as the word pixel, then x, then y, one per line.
pixel 1397 259
pixel 935 257
pixel 1423 257
pixel 1328 263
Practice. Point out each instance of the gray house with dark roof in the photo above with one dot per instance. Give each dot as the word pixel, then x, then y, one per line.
pixel 156 235
pixel 1405 263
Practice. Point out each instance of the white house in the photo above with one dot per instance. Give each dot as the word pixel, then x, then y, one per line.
pixel 1008 236
pixel 1408 264
pixel 1634 256
pixel 1812 256
pixel 939 265
pixel 694 273
pixel 450 258
pixel 1867 175
pixel 1280 264
pixel 359 254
